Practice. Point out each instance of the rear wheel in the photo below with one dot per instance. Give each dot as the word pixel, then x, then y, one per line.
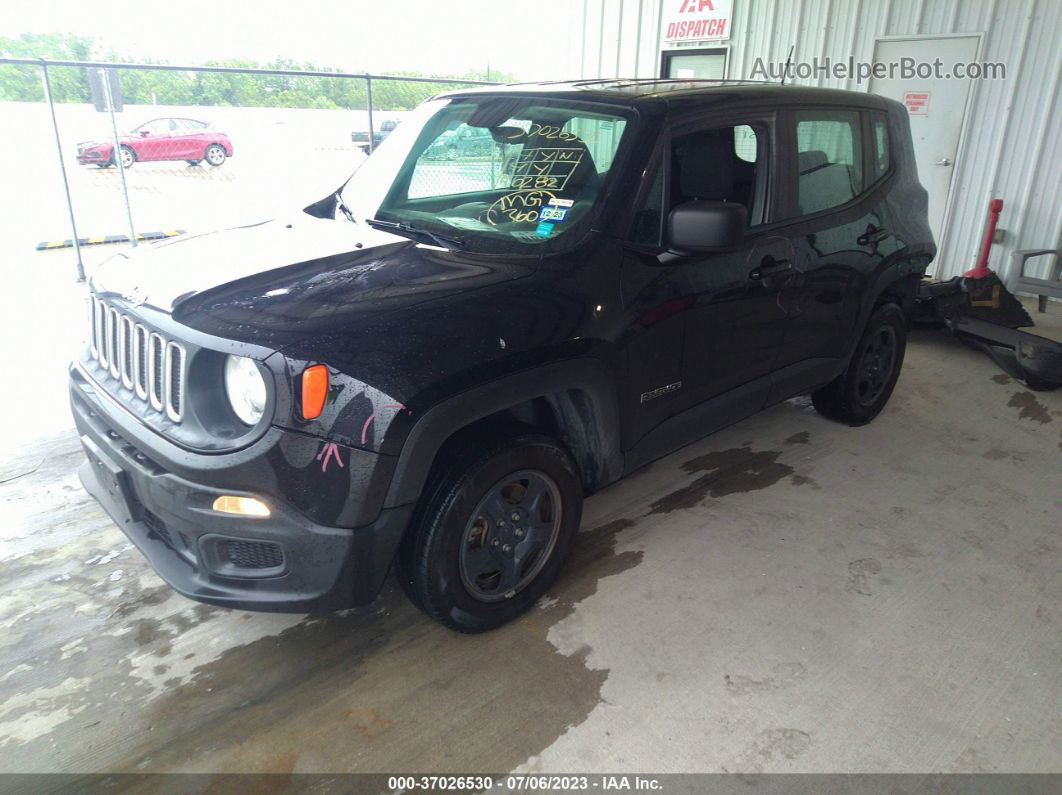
pixel 493 531
pixel 214 154
pixel 857 395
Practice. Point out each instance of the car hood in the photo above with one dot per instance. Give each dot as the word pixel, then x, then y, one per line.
pixel 279 281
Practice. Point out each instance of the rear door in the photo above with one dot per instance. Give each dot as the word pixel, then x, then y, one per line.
pixel 187 140
pixel 839 225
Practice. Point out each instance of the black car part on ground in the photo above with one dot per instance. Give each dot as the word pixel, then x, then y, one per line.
pixel 983 313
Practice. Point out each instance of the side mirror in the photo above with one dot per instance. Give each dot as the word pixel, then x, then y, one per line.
pixel 145 133
pixel 706 226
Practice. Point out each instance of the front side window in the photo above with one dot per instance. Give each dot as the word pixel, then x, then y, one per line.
pixel 495 173
pixel 829 159
pixel 726 164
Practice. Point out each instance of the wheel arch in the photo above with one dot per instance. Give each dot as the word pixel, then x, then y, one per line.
pixel 575 401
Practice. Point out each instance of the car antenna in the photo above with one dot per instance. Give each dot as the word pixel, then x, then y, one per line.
pixel 788 62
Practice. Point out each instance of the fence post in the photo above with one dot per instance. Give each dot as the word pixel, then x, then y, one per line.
pixel 117 152
pixel 368 98
pixel 62 169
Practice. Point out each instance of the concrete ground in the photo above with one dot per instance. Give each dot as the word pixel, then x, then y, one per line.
pixel 786 595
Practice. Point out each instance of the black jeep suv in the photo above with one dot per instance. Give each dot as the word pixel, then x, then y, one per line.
pixel 432 366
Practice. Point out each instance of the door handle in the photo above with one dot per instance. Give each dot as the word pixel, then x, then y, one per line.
pixel 769 266
pixel 872 235
pixel 943 162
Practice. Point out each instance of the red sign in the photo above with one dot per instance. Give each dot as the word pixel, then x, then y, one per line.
pixel 917 102
pixel 696 20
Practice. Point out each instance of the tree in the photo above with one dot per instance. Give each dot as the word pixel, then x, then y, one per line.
pixel 170 87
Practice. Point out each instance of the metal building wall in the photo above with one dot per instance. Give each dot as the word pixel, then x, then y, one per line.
pixel 1012 143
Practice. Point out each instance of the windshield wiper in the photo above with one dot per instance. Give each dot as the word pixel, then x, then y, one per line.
pixel 415 232
pixel 343 208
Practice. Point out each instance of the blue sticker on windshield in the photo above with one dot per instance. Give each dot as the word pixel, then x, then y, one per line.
pixel 544 229
pixel 554 214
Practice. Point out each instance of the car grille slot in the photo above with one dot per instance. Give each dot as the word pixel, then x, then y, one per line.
pixel 150 367
pixel 253 554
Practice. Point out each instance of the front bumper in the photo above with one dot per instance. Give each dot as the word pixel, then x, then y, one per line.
pixel 284 563
pixel 90 157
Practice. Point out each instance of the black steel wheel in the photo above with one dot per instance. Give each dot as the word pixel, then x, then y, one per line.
pixel 876 364
pixel 857 395
pixel 493 528
pixel 511 535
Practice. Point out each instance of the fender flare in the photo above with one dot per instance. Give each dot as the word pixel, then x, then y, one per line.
pixel 905 271
pixel 581 391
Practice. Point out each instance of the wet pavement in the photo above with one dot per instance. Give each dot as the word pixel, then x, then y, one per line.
pixel 788 594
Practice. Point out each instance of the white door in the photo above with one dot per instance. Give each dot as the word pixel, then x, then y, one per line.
pixel 935 107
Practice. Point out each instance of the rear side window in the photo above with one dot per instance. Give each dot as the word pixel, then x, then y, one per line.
pixel 829 159
pixel 880 128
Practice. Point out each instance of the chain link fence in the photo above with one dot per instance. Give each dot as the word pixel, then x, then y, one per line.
pixel 189 149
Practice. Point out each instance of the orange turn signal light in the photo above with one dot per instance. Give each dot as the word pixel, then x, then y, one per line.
pixel 241 506
pixel 314 390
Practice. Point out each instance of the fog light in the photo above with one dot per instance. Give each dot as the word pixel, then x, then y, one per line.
pixel 243 506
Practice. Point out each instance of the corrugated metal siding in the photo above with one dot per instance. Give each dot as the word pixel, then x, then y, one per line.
pixel 1012 145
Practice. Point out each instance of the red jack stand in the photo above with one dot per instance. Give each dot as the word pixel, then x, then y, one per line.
pixel 981 269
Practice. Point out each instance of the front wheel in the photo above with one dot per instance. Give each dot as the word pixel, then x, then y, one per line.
pixel 128 156
pixel 215 155
pixel 493 531
pixel 857 395
pixel 194 162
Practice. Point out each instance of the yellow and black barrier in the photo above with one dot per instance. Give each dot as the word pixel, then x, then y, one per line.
pixel 99 241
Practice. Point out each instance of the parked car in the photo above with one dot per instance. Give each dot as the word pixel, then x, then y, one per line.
pixel 362 137
pixel 464 142
pixel 161 139
pixel 425 371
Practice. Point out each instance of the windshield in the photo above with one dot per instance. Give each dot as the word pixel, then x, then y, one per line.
pixel 497 174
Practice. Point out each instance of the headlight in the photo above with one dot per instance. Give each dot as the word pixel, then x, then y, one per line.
pixel 245 387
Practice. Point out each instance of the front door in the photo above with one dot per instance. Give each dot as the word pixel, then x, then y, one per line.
pixel 725 307
pixel 936 107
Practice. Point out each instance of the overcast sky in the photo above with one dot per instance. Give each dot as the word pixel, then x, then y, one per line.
pixel 533 40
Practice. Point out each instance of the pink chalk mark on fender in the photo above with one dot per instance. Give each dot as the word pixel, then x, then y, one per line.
pixel 365 427
pixel 329 451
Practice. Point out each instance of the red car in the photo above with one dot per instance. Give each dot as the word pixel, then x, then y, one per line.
pixel 161 139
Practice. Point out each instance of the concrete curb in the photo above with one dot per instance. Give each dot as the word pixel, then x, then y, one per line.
pixel 99 241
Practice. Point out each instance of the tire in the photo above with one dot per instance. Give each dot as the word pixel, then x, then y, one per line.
pixel 481 550
pixel 128 156
pixel 214 155
pixel 194 162
pixel 104 165
pixel 857 395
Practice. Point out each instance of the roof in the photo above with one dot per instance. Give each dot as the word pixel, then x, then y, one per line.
pixel 676 92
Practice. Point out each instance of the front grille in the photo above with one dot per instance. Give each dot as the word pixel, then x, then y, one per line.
pixel 158 527
pixel 253 554
pixel 151 367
